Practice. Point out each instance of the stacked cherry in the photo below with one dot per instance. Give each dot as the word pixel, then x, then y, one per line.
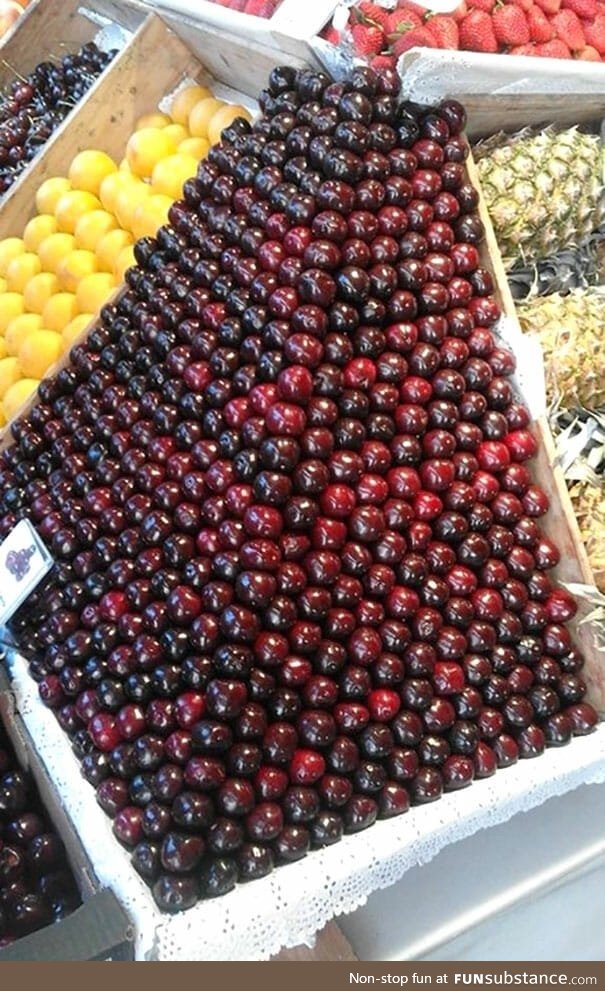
pixel 33 107
pixel 17 562
pixel 36 884
pixel 300 577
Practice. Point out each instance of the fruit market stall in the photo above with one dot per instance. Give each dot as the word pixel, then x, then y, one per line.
pixel 315 560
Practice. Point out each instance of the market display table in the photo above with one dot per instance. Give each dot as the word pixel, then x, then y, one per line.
pixel 291 905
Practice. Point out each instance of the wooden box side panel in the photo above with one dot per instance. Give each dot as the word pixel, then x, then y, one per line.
pixel 560 521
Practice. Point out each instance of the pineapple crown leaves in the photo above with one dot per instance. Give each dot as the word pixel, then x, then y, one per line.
pixel 588 593
pixel 569 328
pixel 570 445
pixel 580 444
pixel 572 268
pixel 594 600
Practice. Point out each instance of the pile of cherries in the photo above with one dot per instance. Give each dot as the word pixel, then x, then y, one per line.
pixel 32 108
pixel 36 883
pixel 300 577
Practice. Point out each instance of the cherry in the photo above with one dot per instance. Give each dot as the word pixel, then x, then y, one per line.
pixel 105 731
pixel 175 894
pixel 484 760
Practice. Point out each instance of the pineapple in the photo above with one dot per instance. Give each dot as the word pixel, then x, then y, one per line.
pixel 544 191
pixel 589 504
pixel 576 267
pixel 572 333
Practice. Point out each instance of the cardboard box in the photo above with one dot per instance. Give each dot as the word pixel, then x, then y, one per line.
pixel 99 929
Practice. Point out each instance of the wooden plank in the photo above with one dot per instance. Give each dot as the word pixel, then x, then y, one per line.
pixel 560 521
pixel 330 945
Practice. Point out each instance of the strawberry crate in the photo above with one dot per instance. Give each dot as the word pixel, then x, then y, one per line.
pixel 99 929
pixel 506 91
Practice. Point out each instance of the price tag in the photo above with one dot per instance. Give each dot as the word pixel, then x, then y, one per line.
pixel 24 561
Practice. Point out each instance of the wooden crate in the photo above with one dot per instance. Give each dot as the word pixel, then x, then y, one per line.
pixel 560 522
pixel 48 30
pixel 107 118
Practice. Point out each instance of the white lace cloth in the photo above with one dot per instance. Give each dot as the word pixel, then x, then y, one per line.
pixel 289 906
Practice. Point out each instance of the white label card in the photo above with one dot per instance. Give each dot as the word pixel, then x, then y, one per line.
pixel 24 561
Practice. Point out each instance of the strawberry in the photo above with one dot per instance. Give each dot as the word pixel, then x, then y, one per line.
pixel 416 38
pixel 510 25
pixel 367 39
pixel 568 27
pixel 460 12
pixel 486 5
pixel 477 33
pixel 595 33
pixel 540 28
pixel 522 49
pixel 400 21
pixel 260 8
pixel 549 6
pixel 331 34
pixel 586 9
pixel 371 13
pixel 409 5
pixel 553 49
pixel 380 62
pixel 588 54
pixel 445 31
pixel 524 4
